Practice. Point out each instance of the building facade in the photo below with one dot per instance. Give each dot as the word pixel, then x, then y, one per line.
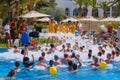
pixel 71 8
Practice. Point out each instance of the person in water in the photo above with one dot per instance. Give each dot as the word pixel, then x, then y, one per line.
pixel 73 66
pixel 96 64
pixel 56 60
pixel 16 49
pixel 109 58
pixel 27 63
pixel 12 73
pixel 41 62
pixel 17 66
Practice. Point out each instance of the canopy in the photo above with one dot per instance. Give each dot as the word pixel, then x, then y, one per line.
pixel 46 19
pixel 70 19
pixel 33 14
pixel 90 18
pixel 117 19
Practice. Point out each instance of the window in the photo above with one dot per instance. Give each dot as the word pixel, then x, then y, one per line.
pixel 75 12
pixel 67 11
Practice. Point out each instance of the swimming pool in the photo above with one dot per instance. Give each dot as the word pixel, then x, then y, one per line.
pixel 84 73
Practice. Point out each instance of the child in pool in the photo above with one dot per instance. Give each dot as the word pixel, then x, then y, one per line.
pixel 96 64
pixel 17 66
pixel 11 74
pixel 16 49
pixel 109 58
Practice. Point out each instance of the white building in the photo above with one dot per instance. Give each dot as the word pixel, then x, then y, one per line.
pixel 70 6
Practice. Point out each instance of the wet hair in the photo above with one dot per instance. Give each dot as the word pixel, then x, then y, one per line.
pixel 22 51
pixel 103 51
pixel 73 55
pixel 113 53
pixel 56 57
pixel 100 53
pixel 63 46
pixel 96 59
pixel 75 66
pixel 108 55
pixel 51 62
pixel 70 63
pixel 41 58
pixel 65 55
pixel 17 64
pixel 25 59
pixel 89 55
pixel 26 45
pixel 15 46
pixel 52 45
pixel 43 53
pixel 81 48
pixel 90 51
pixel 11 73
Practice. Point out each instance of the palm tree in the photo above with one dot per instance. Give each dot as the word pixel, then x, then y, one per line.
pixel 116 3
pixel 3 9
pixel 94 7
pixel 80 3
pixel 104 5
pixel 86 5
pixel 42 5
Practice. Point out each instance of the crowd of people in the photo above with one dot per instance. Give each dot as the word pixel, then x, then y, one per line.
pixel 71 51
pixel 72 55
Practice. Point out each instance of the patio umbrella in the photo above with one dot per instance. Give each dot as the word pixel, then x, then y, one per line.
pixel 33 14
pixel 117 19
pixel 45 19
pixel 89 19
pixel 70 19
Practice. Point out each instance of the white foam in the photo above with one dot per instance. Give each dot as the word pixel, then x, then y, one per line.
pixel 39 68
pixel 70 38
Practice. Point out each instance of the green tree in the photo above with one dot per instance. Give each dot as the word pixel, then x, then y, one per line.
pixel 116 3
pixel 57 13
pixel 104 6
pixel 94 7
pixel 80 3
pixel 86 5
pixel 3 9
pixel 43 5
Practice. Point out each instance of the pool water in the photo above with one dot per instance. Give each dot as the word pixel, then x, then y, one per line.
pixel 84 73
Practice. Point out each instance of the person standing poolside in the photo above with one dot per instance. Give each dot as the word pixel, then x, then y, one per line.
pixel 118 32
pixel 7 34
pixel 51 26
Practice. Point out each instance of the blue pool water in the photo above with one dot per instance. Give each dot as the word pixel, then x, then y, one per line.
pixel 84 73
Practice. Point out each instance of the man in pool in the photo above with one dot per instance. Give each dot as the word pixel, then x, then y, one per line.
pixel 27 63
pixel 73 66
pixel 41 62
pixel 96 64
